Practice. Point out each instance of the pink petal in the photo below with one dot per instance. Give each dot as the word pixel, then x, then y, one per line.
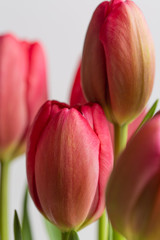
pixel 77 96
pixel 36 131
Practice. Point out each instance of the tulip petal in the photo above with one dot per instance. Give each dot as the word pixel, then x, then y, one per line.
pixel 94 58
pixel 36 131
pixel 45 113
pixel 36 78
pixel 105 158
pixel 77 96
pixel 144 218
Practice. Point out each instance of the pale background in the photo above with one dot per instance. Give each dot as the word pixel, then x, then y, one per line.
pixel 60 26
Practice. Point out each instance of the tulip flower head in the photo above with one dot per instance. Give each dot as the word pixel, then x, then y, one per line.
pixel 133 200
pixel 23 89
pixel 69 159
pixel 118 62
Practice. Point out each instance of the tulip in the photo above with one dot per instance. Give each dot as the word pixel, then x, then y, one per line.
pixel 118 62
pixel 77 97
pixel 132 198
pixel 22 91
pixel 69 159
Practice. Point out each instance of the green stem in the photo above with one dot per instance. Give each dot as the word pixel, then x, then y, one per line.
pixel 116 235
pixel 4 200
pixel 109 231
pixel 102 227
pixel 120 139
pixel 64 235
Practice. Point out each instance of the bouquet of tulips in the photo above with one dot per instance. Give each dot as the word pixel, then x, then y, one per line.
pixel 98 156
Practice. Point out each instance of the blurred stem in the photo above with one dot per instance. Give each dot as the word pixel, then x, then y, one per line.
pixel 116 235
pixel 120 139
pixel 109 231
pixel 64 235
pixel 4 200
pixel 102 226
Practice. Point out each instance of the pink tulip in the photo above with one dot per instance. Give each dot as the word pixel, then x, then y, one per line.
pixel 133 200
pixel 22 91
pixel 69 159
pixel 77 97
pixel 118 62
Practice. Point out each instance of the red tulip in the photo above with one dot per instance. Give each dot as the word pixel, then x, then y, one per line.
pixel 118 62
pixel 133 200
pixel 69 159
pixel 22 91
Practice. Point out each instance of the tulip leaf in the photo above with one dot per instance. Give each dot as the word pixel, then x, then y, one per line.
pixel 73 236
pixel 26 228
pixel 148 116
pixel 17 228
pixel 53 232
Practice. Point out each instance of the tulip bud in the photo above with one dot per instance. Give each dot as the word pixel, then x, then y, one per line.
pixel 118 60
pixel 22 91
pixel 69 159
pixel 133 200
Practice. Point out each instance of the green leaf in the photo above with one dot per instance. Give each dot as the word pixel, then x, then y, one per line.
pixel 53 232
pixel 17 227
pixel 73 236
pixel 148 116
pixel 26 228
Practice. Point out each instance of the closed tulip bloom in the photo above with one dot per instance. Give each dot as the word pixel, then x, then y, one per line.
pixel 118 62
pixel 23 89
pixel 133 200
pixel 69 159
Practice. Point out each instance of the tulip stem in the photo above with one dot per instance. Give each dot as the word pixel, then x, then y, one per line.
pixel 64 235
pixel 102 226
pixel 120 139
pixel 4 200
pixel 116 235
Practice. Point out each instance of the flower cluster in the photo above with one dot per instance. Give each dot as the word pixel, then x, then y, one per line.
pixel 99 153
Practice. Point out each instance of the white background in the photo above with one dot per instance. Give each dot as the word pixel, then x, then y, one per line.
pixel 60 26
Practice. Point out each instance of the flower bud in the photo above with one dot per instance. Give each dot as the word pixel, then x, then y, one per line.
pixel 69 159
pixel 133 200
pixel 118 60
pixel 22 91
